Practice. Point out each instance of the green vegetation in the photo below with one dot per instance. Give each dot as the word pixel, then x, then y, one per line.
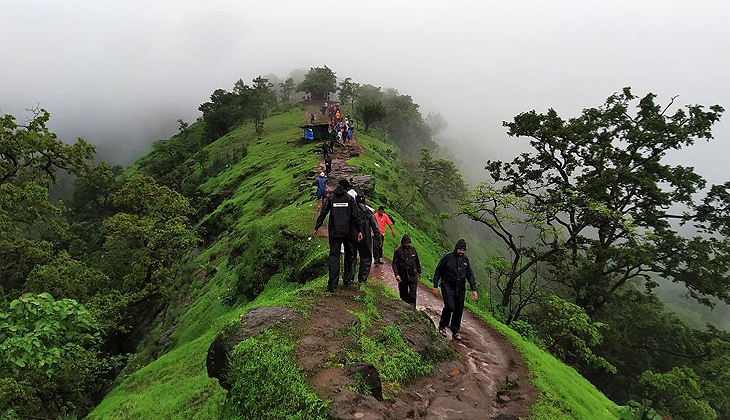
pixel 268 384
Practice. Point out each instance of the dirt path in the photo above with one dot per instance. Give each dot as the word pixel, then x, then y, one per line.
pixel 488 379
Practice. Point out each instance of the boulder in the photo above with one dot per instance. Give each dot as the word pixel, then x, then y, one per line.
pixel 370 377
pixel 252 323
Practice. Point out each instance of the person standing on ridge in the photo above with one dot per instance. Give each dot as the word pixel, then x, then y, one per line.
pixel 407 270
pixel 382 220
pixel 364 247
pixel 453 271
pixel 344 219
pixel 321 183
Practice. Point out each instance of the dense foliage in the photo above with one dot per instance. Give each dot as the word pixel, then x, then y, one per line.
pixel 591 210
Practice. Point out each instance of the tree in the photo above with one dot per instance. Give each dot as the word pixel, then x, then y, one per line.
pixel 679 392
pixel 148 237
pixel 437 122
pixel 348 91
pixel 261 98
pixel 370 113
pixel 286 88
pixel 570 334
pixel 597 183
pixel 319 83
pixel 30 222
pixel 221 114
pixel 440 177
pixel 48 363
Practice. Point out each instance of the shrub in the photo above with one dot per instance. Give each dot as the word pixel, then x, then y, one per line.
pixel 268 384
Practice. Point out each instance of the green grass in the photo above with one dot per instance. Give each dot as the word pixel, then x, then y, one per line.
pixel 268 384
pixel 261 193
pixel 176 385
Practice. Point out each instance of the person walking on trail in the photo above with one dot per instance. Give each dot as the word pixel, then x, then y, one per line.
pixel 382 220
pixel 407 270
pixel 328 164
pixel 364 247
pixel 344 219
pixel 321 183
pixel 453 271
pixel 312 119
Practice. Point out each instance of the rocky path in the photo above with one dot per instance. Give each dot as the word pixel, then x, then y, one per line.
pixel 488 381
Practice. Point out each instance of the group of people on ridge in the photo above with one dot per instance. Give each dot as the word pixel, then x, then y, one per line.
pixel 356 228
pixel 339 124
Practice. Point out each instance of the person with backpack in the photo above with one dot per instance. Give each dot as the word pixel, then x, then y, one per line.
pixel 453 271
pixel 382 220
pixel 344 220
pixel 407 270
pixel 364 247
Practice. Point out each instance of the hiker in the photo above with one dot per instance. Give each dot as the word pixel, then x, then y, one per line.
pixel 347 184
pixel 312 119
pixel 453 271
pixel 344 219
pixel 382 220
pixel 364 247
pixel 327 164
pixel 407 270
pixel 321 183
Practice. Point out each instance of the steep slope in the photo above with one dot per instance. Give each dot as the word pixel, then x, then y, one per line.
pixel 260 216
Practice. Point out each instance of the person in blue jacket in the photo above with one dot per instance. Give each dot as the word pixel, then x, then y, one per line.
pixel 321 183
pixel 453 271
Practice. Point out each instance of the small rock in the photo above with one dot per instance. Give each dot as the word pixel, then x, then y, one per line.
pixel 512 377
pixel 503 399
pixel 370 376
pixel 359 415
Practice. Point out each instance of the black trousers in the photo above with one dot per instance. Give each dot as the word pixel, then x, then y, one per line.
pixel 363 249
pixel 378 248
pixel 334 261
pixel 408 289
pixel 453 306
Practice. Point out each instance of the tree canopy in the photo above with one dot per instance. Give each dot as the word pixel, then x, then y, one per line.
pixel 318 82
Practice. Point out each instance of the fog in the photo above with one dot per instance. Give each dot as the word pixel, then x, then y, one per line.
pixel 119 74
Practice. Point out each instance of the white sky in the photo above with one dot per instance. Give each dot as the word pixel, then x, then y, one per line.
pixel 119 73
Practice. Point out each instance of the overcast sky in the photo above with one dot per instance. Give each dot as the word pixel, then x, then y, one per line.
pixel 120 73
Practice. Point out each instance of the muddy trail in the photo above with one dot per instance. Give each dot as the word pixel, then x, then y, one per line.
pixel 487 380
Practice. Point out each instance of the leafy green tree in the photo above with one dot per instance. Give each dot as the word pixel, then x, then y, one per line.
pixel 570 334
pixel 319 82
pixel 30 222
pixel 47 357
pixel 286 88
pixel 221 114
pixel 440 177
pixel 348 91
pixel 599 180
pixel 679 392
pixel 370 113
pixel 147 238
pixel 66 278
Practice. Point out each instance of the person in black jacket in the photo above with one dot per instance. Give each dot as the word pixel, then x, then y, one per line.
pixel 453 271
pixel 343 217
pixel 365 247
pixel 407 270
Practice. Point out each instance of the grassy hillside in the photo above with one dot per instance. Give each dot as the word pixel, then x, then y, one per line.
pixel 252 201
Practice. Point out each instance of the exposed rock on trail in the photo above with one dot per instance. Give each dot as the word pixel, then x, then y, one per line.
pixel 252 323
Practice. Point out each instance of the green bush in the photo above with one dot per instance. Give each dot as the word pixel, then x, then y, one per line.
pixel 267 383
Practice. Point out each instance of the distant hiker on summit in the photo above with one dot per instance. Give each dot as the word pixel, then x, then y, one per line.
pixel 454 270
pixel 407 270
pixel 344 220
